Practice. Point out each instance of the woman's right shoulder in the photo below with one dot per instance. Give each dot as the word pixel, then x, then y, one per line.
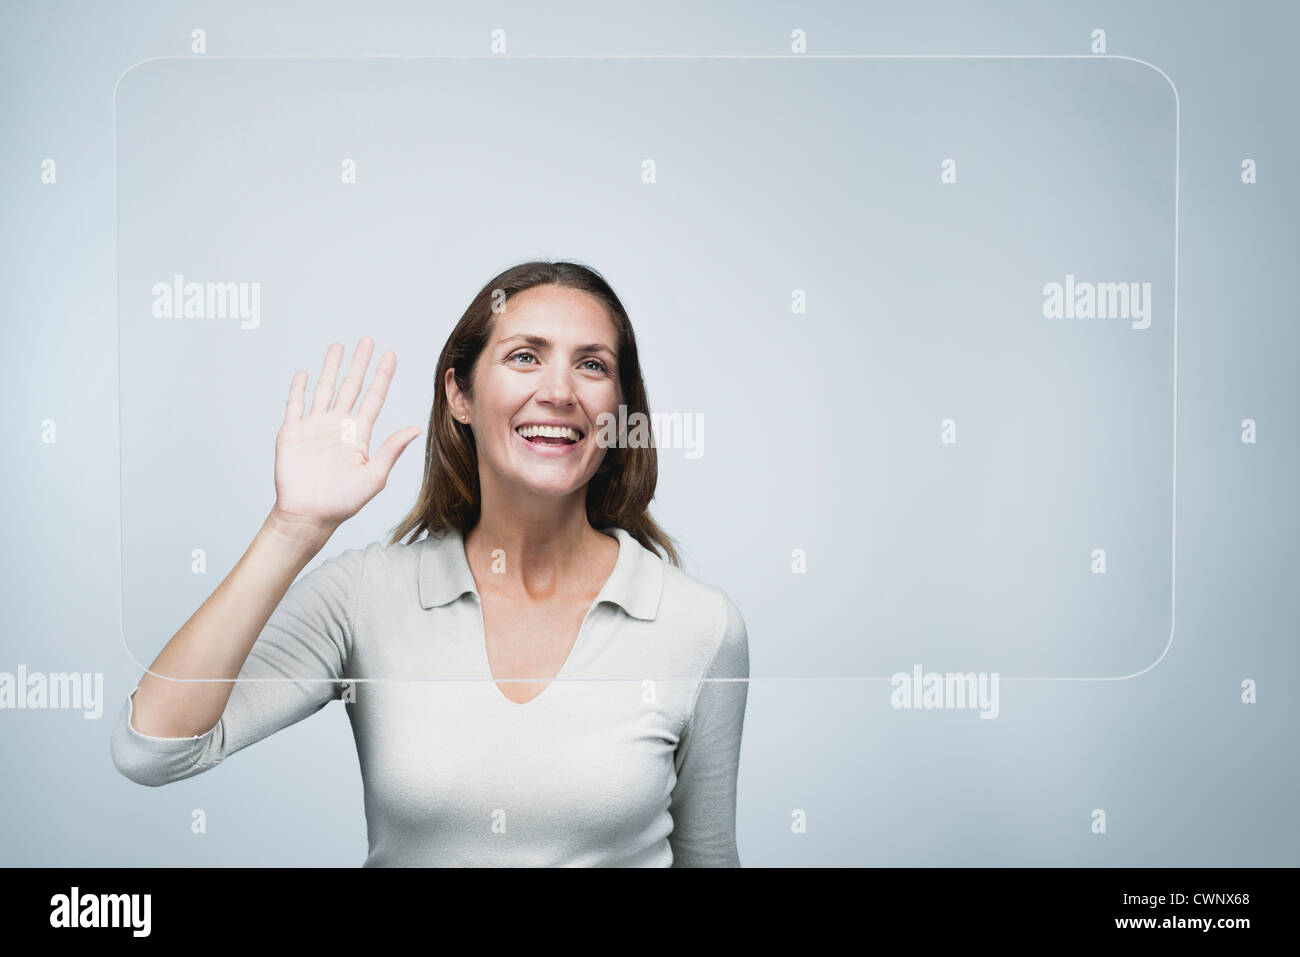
pixel 385 558
pixel 364 566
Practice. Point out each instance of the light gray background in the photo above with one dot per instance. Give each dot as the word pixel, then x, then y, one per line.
pixel 821 429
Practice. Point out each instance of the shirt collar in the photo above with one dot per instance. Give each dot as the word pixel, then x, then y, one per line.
pixel 635 585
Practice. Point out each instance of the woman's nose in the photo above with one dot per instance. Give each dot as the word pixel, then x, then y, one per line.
pixel 556 387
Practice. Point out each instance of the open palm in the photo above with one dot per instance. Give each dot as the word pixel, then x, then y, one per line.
pixel 324 472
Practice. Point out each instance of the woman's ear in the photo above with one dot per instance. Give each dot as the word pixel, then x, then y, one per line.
pixel 456 400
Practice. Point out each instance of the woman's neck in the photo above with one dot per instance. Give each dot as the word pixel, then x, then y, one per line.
pixel 543 550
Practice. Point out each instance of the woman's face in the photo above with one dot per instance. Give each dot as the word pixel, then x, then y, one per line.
pixel 551 361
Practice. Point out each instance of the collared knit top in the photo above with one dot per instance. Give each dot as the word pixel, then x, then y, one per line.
pixel 629 756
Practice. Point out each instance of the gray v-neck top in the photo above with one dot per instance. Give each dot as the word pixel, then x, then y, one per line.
pixel 638 771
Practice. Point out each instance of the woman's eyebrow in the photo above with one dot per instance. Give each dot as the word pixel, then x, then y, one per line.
pixel 596 347
pixel 541 342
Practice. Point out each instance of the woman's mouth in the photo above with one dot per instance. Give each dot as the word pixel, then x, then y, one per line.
pixel 550 439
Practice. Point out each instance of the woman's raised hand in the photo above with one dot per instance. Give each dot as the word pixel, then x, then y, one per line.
pixel 324 472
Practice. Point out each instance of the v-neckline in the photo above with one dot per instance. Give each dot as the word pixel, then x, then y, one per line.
pixel 486 663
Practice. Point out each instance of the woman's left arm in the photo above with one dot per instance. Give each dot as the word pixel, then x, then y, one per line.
pixel 707 760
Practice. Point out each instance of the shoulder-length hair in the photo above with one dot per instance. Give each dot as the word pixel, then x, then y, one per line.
pixel 620 492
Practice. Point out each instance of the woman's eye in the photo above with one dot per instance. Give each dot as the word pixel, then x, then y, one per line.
pixel 521 355
pixel 600 366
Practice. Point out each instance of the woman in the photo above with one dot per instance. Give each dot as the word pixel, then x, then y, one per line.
pixel 601 724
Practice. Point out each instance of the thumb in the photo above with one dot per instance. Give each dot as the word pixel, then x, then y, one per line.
pixel 393 446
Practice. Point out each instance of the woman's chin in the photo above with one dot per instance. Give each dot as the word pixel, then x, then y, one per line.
pixel 560 482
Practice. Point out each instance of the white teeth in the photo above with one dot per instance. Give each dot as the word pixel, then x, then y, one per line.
pixel 549 431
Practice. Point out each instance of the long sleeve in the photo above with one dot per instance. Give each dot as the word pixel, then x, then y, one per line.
pixel 703 805
pixel 308 636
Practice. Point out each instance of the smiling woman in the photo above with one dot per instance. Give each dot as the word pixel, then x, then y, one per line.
pixel 604 726
pixel 553 345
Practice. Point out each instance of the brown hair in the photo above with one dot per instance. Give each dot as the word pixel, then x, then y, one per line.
pixel 618 494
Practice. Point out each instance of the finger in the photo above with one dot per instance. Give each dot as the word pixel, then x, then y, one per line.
pixel 393 446
pixel 297 395
pixel 373 400
pixel 351 386
pixel 324 391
